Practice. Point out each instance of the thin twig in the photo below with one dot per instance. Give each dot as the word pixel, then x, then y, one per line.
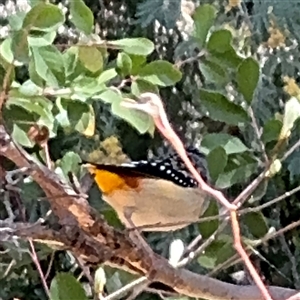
pixel 238 246
pixel 269 203
pixel 127 288
pixel 258 132
pixel 286 248
pixel 35 260
pixel 267 237
pixel 50 265
pixel 290 151
pixel 246 193
pixel 179 64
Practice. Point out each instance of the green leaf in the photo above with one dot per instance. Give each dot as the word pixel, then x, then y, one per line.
pixel 138 61
pixel 110 96
pixel 203 17
pixel 271 131
pixel 217 252
pixel 238 169
pixel 70 58
pixel 34 76
pixel 256 224
pixel 65 287
pixel 15 20
pixel 225 253
pixel 86 87
pixel 82 16
pixel 62 116
pixel 91 58
pixel 140 86
pixel 207 261
pixel 160 73
pixel 228 142
pixel 209 227
pixel 213 72
pixel 220 41
pixel 124 64
pixel 39 105
pixel 19 135
pixel 217 160
pixel 229 58
pixel 29 88
pixel 19 120
pixel 75 111
pixel 291 114
pixel 19 46
pixel 40 39
pixel 86 125
pixel 247 78
pixel 44 17
pixel 221 109
pixel 49 65
pixel 137 46
pixel 6 51
pixel 107 75
pixel 70 163
pixel 139 120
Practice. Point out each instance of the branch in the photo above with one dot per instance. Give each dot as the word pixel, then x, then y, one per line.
pixel 88 236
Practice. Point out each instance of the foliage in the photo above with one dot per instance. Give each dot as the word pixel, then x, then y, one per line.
pixel 229 81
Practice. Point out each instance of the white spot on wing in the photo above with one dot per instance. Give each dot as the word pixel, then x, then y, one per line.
pixel 162 168
pixel 130 165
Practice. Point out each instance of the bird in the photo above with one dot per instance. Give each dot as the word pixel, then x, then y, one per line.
pixel 157 194
pixel 152 105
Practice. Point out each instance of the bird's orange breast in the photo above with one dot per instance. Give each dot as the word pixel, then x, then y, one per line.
pixel 109 182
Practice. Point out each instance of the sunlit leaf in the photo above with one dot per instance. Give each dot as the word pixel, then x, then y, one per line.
pixel 124 64
pixel 44 17
pixel 203 16
pixel 137 46
pixel 81 16
pixel 291 114
pixel 161 73
pixel 91 58
pixel 228 142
